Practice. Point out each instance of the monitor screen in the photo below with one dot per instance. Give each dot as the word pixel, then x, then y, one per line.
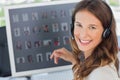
pixel 34 31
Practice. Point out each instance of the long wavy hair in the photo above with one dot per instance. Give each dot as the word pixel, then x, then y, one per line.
pixel 106 51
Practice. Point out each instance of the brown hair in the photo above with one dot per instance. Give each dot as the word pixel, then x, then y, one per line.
pixel 106 51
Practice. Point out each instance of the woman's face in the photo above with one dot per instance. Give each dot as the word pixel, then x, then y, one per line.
pixel 87 31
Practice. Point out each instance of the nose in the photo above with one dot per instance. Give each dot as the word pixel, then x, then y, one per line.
pixel 83 33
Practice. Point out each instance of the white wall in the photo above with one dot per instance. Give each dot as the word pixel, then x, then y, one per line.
pixel 116 12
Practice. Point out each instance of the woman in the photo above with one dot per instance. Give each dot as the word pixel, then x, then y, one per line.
pixel 94 43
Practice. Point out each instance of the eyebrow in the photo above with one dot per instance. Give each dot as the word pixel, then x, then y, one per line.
pixel 77 22
pixel 89 24
pixel 93 25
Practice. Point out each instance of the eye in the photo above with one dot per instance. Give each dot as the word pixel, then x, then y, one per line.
pixel 78 25
pixel 92 27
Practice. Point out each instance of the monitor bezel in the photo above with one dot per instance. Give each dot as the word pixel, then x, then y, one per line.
pixel 10 44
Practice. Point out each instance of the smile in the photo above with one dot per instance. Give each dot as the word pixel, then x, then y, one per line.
pixel 84 42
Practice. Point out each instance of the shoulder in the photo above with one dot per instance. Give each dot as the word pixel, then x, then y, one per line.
pixel 107 72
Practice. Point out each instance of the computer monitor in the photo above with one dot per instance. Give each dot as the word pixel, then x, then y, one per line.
pixel 34 31
pixel 4 56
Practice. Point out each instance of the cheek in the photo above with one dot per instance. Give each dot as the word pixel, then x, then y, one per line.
pixel 76 32
pixel 97 38
pixel 76 35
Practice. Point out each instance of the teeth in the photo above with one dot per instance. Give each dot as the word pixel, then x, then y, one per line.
pixel 85 41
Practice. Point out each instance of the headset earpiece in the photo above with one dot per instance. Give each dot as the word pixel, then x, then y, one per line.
pixel 106 33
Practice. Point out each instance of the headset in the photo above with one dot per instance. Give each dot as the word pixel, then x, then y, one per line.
pixel 106 32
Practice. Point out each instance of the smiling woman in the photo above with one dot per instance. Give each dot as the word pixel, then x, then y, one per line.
pixel 94 36
pixel 85 31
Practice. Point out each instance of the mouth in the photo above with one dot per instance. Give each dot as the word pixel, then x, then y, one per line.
pixel 85 42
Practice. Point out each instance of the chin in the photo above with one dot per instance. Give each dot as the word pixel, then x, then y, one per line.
pixel 85 49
